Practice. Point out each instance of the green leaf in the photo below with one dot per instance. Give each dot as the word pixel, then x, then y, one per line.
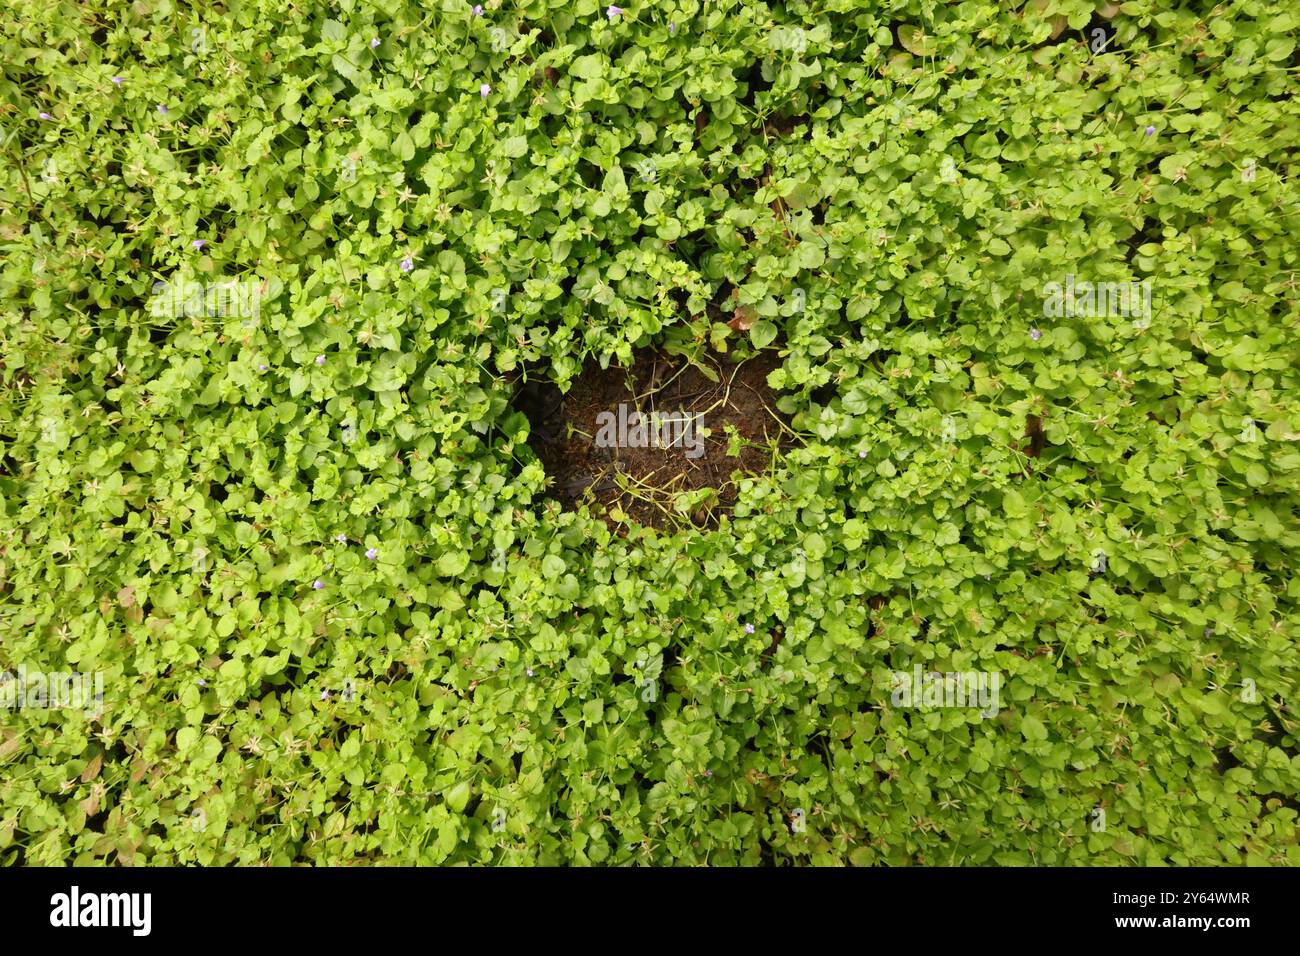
pixel 589 67
pixel 458 797
pixel 1033 728
pixel 914 40
pixel 762 334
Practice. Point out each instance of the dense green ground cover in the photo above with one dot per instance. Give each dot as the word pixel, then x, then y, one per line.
pixel 310 553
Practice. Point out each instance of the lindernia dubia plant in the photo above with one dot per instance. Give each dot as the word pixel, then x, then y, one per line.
pixel 1027 297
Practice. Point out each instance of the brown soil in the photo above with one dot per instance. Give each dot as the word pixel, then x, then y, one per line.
pixel 644 483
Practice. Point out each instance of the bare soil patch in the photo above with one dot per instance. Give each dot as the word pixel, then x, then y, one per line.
pixel 702 427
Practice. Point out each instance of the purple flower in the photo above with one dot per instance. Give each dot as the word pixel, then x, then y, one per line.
pixel 372 553
pixel 262 368
pixel 749 628
pixel 614 12
pixel 45 116
pixel 199 243
pixel 118 81
pixel 202 682
pixel 484 89
pixel 407 264
pixel 1151 131
pixel 708 773
pixel 320 360
pixel 862 454
pixel 672 29
pixel 341 538
pixel 317 585
pixel 325 695
pixel 1035 334
pixel 162 110
pixel 374 43
pixel 478 10
pixel 529 672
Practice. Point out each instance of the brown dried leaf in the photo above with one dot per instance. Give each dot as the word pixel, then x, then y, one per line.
pixel 1035 8
pixel 743 318
pixel 92 768
pixel 1034 432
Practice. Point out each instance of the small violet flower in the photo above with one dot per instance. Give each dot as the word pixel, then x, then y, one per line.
pixel 202 682
pixel 199 243
pixel 407 264
pixel 320 360
pixel 1035 334
pixel 317 585
pixel 614 12
pixel 341 538
pixel 372 553
pixel 484 89
pixel 672 29
pixel 162 110
pixel 118 81
pixel 374 43
pixel 862 454
pixel 261 368
pixel 325 695
pixel 1150 131
pixel 749 628
pixel 529 672
pixel 478 10
pixel 45 116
